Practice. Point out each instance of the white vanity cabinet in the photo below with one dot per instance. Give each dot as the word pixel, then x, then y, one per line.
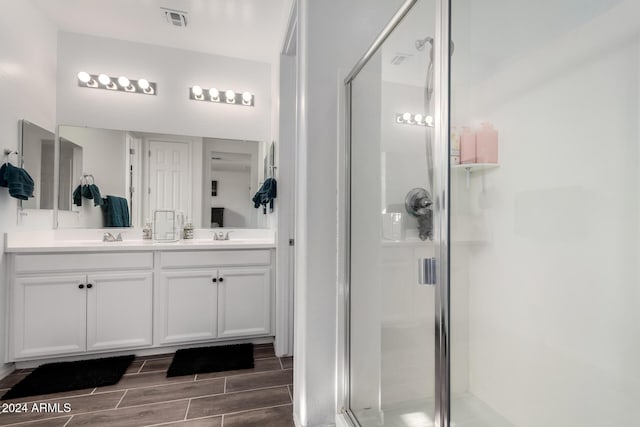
pixel 61 307
pixel 197 301
pixel 187 306
pixel 119 310
pixel 65 303
pixel 49 315
pixel 244 302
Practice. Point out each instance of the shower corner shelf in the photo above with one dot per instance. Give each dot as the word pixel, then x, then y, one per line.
pixel 474 167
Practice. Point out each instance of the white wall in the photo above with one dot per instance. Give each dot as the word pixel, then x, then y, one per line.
pixel 28 90
pixel 234 196
pixel 174 71
pixel 554 319
pixel 332 35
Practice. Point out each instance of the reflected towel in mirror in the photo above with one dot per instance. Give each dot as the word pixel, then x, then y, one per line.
pixel 266 194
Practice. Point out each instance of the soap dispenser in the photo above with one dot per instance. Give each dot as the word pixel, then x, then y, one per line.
pixel 147 231
pixel 487 144
pixel 467 146
pixel 187 231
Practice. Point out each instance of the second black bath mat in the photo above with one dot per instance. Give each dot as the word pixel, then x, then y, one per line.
pixel 67 376
pixel 211 359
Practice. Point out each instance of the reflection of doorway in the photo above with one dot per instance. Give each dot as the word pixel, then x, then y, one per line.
pixel 233 166
pixel 134 178
pixel 231 198
pixel 169 176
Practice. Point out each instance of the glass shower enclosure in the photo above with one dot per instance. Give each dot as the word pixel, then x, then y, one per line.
pixel 492 217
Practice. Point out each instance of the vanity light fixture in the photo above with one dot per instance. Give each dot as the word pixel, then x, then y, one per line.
pixel 414 119
pixel 124 84
pixel 197 93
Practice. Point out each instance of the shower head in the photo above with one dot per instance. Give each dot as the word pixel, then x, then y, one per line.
pixel 421 42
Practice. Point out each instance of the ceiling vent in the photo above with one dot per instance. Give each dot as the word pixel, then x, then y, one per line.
pixel 176 18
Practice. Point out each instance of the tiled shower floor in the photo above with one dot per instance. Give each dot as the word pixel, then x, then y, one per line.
pixel 260 396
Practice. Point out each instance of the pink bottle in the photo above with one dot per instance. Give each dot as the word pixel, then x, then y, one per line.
pixel 467 146
pixel 487 144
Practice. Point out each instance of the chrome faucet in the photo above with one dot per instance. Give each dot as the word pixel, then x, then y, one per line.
pixel 221 235
pixel 108 237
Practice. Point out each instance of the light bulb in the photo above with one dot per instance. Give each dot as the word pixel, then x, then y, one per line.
pixel 214 93
pixel 428 120
pixel 197 91
pixel 104 79
pixel 406 117
pixel 123 81
pixel 418 118
pixel 231 96
pixel 246 97
pixel 143 84
pixel 84 77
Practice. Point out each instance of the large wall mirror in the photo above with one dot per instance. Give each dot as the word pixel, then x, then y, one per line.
pixel 38 153
pixel 209 181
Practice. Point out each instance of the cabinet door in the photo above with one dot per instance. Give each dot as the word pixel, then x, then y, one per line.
pixel 187 306
pixel 244 302
pixel 119 310
pixel 49 315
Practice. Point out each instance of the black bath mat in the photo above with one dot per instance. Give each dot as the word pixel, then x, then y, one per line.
pixel 67 376
pixel 191 361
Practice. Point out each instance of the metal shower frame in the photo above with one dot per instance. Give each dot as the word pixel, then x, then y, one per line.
pixel 441 215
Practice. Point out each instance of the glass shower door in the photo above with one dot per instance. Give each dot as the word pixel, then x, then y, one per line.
pixel 391 341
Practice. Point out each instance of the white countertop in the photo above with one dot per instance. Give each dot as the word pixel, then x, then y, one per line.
pixel 91 241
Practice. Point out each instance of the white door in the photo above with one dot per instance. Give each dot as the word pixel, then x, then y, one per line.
pixel 187 306
pixel 244 302
pixel 49 315
pixel 169 177
pixel 119 310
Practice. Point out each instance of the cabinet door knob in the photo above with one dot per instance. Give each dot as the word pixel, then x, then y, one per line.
pixel 89 285
pixel 81 286
pixel 214 280
pixel 221 279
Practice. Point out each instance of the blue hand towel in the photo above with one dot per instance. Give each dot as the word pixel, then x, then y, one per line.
pixel 266 194
pixel 86 192
pixel 116 212
pixel 95 195
pixel 20 183
pixel 77 196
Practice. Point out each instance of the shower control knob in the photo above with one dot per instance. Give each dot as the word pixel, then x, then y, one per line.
pixel 89 285
pixel 81 286
pixel 214 280
pixel 221 279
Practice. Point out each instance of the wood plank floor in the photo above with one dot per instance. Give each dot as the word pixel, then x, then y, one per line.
pixel 261 396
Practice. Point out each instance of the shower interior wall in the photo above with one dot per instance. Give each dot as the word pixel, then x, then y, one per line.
pixel 553 319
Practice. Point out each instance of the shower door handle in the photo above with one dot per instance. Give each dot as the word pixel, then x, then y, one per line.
pixel 427 271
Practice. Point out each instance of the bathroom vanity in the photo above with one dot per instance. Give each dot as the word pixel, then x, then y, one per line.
pixel 71 294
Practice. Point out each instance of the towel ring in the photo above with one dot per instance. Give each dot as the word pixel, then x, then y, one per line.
pixel 8 152
pixel 84 179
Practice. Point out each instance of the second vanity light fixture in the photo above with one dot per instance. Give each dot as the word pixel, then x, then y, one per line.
pixel 122 83
pixel 197 93
pixel 414 119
